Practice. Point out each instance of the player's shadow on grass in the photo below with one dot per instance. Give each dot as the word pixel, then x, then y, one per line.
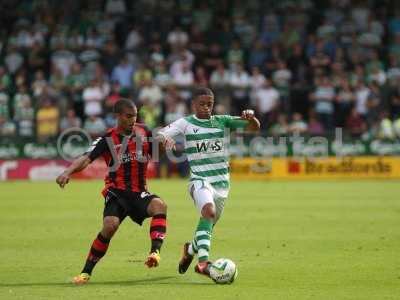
pixel 150 281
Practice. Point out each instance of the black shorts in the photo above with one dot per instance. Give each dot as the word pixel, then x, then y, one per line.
pixel 120 203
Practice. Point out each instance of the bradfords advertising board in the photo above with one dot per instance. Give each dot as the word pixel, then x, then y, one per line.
pixel 346 167
pixel 46 169
pixel 317 168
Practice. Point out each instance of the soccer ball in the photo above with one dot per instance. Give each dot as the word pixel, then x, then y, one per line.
pixel 223 271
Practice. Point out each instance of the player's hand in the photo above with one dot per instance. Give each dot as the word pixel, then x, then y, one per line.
pixel 247 114
pixel 62 180
pixel 169 144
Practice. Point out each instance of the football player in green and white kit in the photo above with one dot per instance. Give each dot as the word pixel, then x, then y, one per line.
pixel 206 146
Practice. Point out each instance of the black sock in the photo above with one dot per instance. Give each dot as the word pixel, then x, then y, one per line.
pixel 97 251
pixel 158 229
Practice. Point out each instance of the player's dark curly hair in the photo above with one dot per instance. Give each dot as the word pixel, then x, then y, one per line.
pixel 202 91
pixel 121 104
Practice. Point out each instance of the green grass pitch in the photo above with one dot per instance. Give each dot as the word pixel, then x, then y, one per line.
pixel 290 240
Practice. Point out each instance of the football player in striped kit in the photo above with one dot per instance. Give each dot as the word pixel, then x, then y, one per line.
pixel 126 149
pixel 206 146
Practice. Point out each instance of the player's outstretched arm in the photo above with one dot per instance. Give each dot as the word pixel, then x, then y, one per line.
pixel 166 135
pixel 77 165
pixel 254 124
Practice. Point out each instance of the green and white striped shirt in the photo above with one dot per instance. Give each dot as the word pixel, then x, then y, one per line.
pixel 206 146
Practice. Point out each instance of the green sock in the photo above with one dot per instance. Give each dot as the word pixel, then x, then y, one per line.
pixel 193 247
pixel 203 238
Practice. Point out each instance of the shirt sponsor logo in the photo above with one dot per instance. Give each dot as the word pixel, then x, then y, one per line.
pixel 210 146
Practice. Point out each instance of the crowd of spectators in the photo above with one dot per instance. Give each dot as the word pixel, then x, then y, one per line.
pixel 304 66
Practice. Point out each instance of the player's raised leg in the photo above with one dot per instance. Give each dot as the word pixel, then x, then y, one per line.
pixel 191 248
pixel 157 209
pixel 203 238
pixel 201 243
pixel 98 249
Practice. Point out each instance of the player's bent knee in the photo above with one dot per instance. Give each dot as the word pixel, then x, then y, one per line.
pixel 110 226
pixel 157 206
pixel 161 204
pixel 208 211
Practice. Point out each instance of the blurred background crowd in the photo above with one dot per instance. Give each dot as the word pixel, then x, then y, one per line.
pixel 304 66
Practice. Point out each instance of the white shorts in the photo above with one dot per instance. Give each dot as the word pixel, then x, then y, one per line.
pixel 203 193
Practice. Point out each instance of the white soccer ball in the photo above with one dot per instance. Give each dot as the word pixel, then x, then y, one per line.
pixel 223 271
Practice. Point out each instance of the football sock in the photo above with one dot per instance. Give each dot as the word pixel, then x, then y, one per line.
pixel 158 229
pixel 192 249
pixel 203 238
pixel 97 251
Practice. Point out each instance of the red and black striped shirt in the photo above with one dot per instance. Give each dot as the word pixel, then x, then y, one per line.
pixel 129 171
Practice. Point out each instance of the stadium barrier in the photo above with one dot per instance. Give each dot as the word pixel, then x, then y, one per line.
pixel 49 169
pixel 259 146
pixel 241 168
pixel 316 168
pixel 252 157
